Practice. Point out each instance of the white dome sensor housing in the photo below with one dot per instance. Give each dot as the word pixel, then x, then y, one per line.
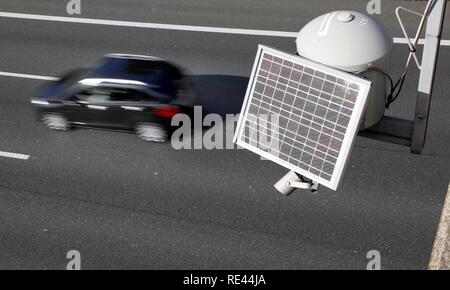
pixel 355 43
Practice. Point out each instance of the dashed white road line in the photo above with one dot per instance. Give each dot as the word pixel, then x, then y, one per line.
pixel 28 76
pixel 193 28
pixel 14 155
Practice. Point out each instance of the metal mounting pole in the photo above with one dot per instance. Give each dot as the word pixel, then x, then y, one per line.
pixel 413 133
pixel 429 62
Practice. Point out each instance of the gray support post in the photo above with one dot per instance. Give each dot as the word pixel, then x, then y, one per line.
pixel 429 61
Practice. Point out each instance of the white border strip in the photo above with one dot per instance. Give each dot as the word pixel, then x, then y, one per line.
pixel 14 155
pixel 255 32
pixel 440 258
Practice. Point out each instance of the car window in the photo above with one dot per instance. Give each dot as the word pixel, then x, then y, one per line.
pixel 126 95
pixel 95 95
pixel 102 95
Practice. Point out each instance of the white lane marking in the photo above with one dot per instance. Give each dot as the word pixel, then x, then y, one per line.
pixel 440 257
pixel 27 76
pixel 148 25
pixel 255 32
pixel 14 155
pixel 399 40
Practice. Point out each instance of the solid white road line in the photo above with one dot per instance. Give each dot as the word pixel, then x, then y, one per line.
pixel 440 258
pixel 255 32
pixel 14 155
pixel 27 76
pixel 148 25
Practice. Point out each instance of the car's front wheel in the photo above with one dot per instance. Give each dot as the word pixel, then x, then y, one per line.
pixel 55 122
pixel 152 132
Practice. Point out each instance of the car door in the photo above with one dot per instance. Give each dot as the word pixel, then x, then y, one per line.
pixel 128 107
pixel 93 107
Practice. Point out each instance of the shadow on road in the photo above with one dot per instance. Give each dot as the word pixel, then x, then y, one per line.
pixel 220 94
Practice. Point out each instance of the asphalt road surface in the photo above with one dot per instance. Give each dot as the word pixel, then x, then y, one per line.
pixel 124 203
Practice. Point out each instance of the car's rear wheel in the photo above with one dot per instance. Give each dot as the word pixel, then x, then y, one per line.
pixel 55 122
pixel 152 132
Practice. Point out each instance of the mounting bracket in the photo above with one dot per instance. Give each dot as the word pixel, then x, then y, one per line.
pixel 292 181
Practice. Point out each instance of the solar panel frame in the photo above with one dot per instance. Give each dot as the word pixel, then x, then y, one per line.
pixel 351 129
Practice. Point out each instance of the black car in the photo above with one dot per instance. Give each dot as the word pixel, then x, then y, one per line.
pixel 121 92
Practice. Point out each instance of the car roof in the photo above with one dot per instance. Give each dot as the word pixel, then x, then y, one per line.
pixel 154 72
pixel 103 81
pixel 134 56
pixel 125 84
pixel 151 74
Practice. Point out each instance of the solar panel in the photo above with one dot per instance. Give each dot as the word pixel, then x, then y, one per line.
pixel 301 115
